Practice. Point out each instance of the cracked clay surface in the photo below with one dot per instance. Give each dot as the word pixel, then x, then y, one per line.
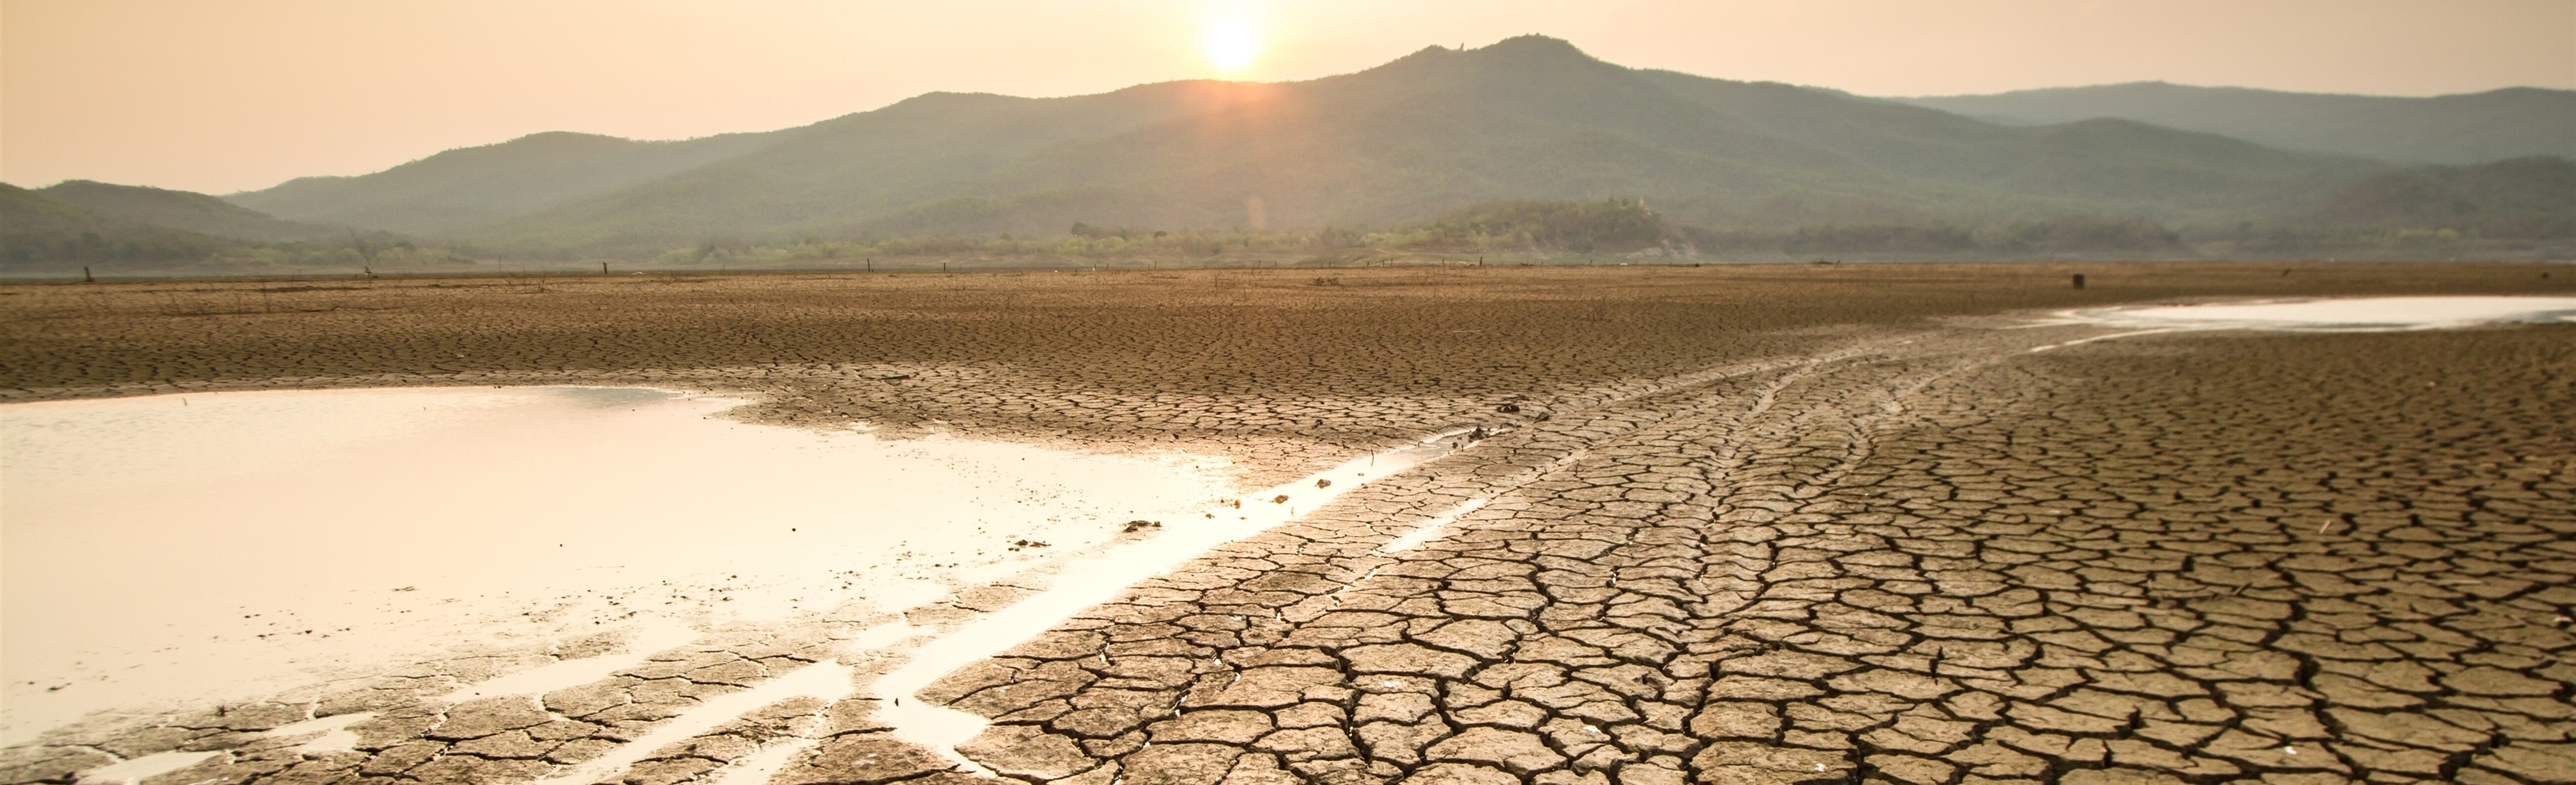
pixel 1869 545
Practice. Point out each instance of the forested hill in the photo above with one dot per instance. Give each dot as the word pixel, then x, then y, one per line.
pixel 1416 138
pixel 455 191
pixel 37 231
pixel 185 210
pixel 2450 129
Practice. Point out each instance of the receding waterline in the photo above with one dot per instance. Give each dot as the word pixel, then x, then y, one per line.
pixel 2350 314
pixel 182 548
pixel 396 519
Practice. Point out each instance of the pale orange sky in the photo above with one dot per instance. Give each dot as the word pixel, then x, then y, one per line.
pixel 221 96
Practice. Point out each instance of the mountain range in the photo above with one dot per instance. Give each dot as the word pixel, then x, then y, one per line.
pixel 1425 136
pixel 185 210
pixel 2448 129
pixel 37 229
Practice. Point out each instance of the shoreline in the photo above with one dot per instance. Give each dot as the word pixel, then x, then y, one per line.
pixel 1290 263
pixel 1771 451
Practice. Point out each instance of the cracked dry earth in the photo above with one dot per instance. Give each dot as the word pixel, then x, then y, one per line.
pixel 1916 553
pixel 2288 559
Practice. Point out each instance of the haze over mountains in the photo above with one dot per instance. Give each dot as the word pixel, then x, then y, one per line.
pixel 1441 130
pixel 1434 131
pixel 61 226
pixel 458 190
pixel 36 228
pixel 184 210
pixel 2449 129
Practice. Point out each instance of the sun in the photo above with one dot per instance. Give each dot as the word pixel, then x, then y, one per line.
pixel 1231 45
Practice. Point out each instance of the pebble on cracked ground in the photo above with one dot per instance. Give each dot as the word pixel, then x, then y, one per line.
pixel 1668 525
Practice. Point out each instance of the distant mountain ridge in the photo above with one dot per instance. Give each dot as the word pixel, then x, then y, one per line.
pixel 453 191
pixel 39 230
pixel 185 210
pixel 1528 144
pixel 1418 137
pixel 78 226
pixel 2521 198
pixel 2450 129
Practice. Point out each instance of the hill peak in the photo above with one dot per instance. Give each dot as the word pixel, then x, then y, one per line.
pixel 2458 129
pixel 185 210
pixel 567 138
pixel 1534 46
pixel 1531 48
pixel 76 185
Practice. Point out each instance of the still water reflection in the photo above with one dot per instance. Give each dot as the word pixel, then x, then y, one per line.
pixel 171 549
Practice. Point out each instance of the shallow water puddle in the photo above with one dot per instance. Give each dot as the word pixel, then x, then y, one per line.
pixel 2354 314
pixel 649 636
pixel 326 735
pixel 177 549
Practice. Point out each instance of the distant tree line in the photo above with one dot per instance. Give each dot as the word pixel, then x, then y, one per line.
pixel 2521 200
pixel 37 232
pixel 93 247
pixel 1618 226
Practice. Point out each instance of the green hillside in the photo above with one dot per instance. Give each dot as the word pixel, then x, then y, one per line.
pixel 186 210
pixel 125 231
pixel 452 192
pixel 835 175
pixel 1978 169
pixel 37 231
pixel 1529 118
pixel 2452 129
pixel 2530 198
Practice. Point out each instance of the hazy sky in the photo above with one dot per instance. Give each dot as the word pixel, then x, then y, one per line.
pixel 227 95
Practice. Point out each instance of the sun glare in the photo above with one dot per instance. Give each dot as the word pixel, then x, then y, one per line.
pixel 1232 45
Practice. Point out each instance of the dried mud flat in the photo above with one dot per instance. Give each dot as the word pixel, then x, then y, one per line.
pixel 1830 524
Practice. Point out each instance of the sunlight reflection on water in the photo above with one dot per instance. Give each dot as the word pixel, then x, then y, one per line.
pixel 2355 313
pixel 212 546
pixel 2351 314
